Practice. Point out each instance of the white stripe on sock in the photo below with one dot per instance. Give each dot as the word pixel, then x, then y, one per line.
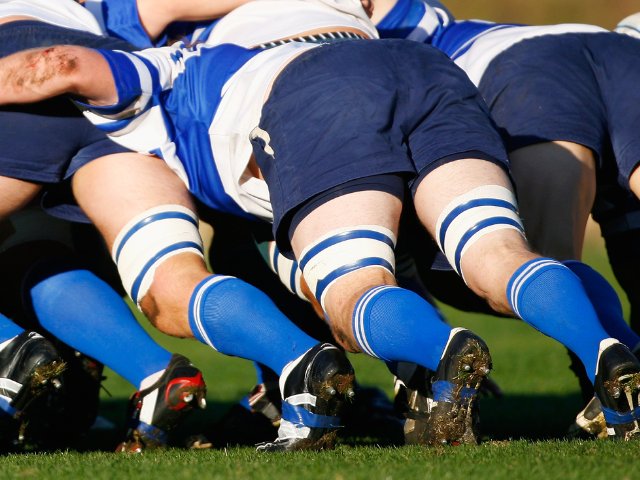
pixel 524 276
pixel 361 337
pixel 196 308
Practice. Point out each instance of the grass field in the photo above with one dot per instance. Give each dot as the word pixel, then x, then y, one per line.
pixel 522 432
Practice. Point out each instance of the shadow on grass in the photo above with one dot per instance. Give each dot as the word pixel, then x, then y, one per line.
pixel 523 416
pixel 114 410
pixel 532 417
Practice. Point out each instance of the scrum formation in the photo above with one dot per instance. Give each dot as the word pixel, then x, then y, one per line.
pixel 374 154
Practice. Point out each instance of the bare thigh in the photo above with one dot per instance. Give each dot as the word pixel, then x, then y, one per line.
pixel 490 262
pixel 15 194
pixel 112 190
pixel 556 184
pixel 354 209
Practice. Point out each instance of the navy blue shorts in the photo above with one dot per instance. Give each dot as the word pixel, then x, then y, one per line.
pixel 345 111
pixel 48 141
pixel 576 87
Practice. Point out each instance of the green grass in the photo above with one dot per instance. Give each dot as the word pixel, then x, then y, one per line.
pixel 518 459
pixel 522 433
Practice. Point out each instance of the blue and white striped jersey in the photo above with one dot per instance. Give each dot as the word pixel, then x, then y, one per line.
pixel 250 25
pixel 120 19
pixel 472 44
pixel 62 13
pixel 417 20
pixel 195 106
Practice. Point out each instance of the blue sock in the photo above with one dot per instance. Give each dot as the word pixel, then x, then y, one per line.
pixel 89 316
pixel 8 329
pixel 606 303
pixel 551 298
pixel 237 319
pixel 395 324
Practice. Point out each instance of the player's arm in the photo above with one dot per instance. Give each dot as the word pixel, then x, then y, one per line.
pixel 34 75
pixel 156 15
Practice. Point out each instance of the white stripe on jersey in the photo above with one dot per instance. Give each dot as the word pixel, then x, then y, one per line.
pixel 432 19
pixel 237 115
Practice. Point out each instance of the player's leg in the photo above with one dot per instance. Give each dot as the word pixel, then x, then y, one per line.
pixel 556 183
pixel 500 267
pixel 348 216
pixel 337 203
pixel 87 314
pixel 116 189
pixel 369 313
pixel 556 190
pixel 90 325
pixel 15 194
pixel 145 213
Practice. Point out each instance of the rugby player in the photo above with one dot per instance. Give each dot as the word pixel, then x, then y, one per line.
pixel 51 292
pixel 78 143
pixel 70 141
pixel 172 94
pixel 557 94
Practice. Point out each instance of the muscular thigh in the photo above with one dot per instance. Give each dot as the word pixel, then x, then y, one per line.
pixel 113 189
pixel 555 183
pixel 486 261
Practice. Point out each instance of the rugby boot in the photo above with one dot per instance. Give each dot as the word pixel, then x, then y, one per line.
pixel 156 411
pixel 589 422
pixel 264 399
pixel 315 389
pixel 413 402
pixel 455 385
pixel 62 416
pixel 29 366
pixel 617 386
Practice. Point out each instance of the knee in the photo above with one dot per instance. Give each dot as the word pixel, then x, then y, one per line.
pixel 492 267
pixel 343 264
pixel 166 303
pixel 160 261
pixel 482 236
